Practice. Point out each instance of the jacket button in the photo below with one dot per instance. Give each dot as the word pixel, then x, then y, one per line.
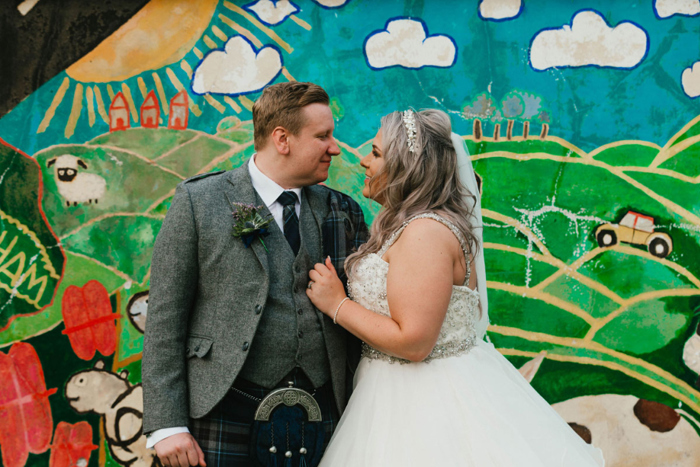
pixel 245 346
pixel 297 269
pixel 299 311
pixel 258 309
pixel 300 334
pixel 196 349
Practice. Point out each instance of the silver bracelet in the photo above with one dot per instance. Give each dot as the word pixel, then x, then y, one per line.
pixel 335 317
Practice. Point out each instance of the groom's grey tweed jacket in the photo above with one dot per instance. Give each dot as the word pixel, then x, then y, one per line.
pixel 208 294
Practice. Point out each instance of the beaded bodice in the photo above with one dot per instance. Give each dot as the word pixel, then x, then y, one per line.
pixel 368 285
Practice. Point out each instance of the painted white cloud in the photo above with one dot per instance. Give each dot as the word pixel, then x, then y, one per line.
pixel 500 9
pixel 690 79
pixel 331 3
pixel 589 41
pixel 405 43
pixel 238 69
pixel 273 12
pixel 666 8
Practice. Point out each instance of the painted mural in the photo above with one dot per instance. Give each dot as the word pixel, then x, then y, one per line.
pixel 583 122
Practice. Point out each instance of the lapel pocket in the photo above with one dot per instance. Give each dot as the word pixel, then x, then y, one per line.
pixel 198 346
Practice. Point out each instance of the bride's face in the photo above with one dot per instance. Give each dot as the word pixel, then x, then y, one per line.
pixel 373 163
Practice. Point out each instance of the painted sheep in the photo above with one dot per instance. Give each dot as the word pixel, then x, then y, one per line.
pixel 121 405
pixel 76 186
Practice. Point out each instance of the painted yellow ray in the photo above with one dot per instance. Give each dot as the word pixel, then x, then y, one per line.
pixel 219 33
pixel 101 105
pixel 171 28
pixel 247 103
pixel 300 22
pixel 111 93
pixel 75 110
pixel 161 93
pixel 198 53
pixel 57 99
pixel 91 105
pixel 142 87
pixel 241 30
pixel 267 31
pixel 214 103
pixel 287 74
pixel 194 108
pixel 236 108
pixel 210 43
pixel 186 68
pixel 132 105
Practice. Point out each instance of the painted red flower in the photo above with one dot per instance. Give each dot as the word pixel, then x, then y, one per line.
pixel 25 412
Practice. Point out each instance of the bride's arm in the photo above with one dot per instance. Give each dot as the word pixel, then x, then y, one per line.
pixel 419 287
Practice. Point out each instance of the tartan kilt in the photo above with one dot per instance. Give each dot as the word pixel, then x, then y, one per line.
pixel 224 434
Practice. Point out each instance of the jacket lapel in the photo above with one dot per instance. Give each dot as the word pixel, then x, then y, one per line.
pixel 240 190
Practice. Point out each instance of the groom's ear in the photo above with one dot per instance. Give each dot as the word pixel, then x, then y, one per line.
pixel 280 138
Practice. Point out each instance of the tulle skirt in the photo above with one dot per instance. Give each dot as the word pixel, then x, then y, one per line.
pixel 471 410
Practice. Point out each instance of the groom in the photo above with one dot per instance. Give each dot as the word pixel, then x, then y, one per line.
pixel 229 323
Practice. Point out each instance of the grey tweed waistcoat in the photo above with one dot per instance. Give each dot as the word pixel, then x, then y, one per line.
pixel 289 333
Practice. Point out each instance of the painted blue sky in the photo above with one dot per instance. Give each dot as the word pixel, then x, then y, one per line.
pixel 588 106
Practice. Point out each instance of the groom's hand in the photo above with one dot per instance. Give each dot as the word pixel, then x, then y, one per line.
pixel 180 450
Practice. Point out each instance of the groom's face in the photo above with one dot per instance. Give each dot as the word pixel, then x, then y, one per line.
pixel 312 149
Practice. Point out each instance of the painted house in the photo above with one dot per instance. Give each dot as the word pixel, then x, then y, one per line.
pixel 179 111
pixel 119 113
pixel 150 111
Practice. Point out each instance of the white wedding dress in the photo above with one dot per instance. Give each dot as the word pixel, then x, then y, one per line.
pixel 465 405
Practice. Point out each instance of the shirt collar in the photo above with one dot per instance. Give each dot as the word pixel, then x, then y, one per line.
pixel 267 188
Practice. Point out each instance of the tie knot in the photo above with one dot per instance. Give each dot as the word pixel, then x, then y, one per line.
pixel 287 198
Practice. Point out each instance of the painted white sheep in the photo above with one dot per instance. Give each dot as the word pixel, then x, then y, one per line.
pixel 121 405
pixel 633 432
pixel 691 353
pixel 75 186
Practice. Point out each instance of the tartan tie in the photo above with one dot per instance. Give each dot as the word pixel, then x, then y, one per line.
pixel 288 199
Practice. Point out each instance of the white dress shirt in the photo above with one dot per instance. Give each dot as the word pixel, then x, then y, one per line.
pixel 269 191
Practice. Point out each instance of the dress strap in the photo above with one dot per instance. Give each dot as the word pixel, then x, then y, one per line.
pixel 430 215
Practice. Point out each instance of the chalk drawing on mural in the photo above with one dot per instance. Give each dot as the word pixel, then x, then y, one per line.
pixel 75 185
pixel 120 404
pixel 238 69
pixel 668 8
pixel 26 422
pixel 405 42
pixel 547 234
pixel 516 106
pixel 589 41
pixel 72 445
pixel 635 229
pixel 690 80
pixel 500 9
pixel 632 431
pixel 32 259
pixel 87 315
pixel 137 310
pixel 272 12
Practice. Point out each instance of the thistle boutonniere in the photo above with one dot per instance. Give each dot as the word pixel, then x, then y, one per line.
pixel 249 224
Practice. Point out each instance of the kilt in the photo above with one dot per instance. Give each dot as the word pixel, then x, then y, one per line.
pixel 224 434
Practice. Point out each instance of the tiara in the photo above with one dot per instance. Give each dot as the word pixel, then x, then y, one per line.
pixel 409 121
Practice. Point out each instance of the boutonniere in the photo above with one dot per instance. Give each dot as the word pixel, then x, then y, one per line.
pixel 249 224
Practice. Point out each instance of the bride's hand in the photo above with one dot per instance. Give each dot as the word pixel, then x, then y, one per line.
pixel 326 290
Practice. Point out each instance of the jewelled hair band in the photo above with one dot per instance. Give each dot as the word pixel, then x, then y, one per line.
pixel 409 121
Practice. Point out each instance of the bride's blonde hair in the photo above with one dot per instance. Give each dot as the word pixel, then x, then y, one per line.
pixel 426 180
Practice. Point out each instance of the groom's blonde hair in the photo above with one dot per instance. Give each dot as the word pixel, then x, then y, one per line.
pixel 281 105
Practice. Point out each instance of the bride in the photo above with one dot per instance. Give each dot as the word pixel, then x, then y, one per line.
pixel 429 391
